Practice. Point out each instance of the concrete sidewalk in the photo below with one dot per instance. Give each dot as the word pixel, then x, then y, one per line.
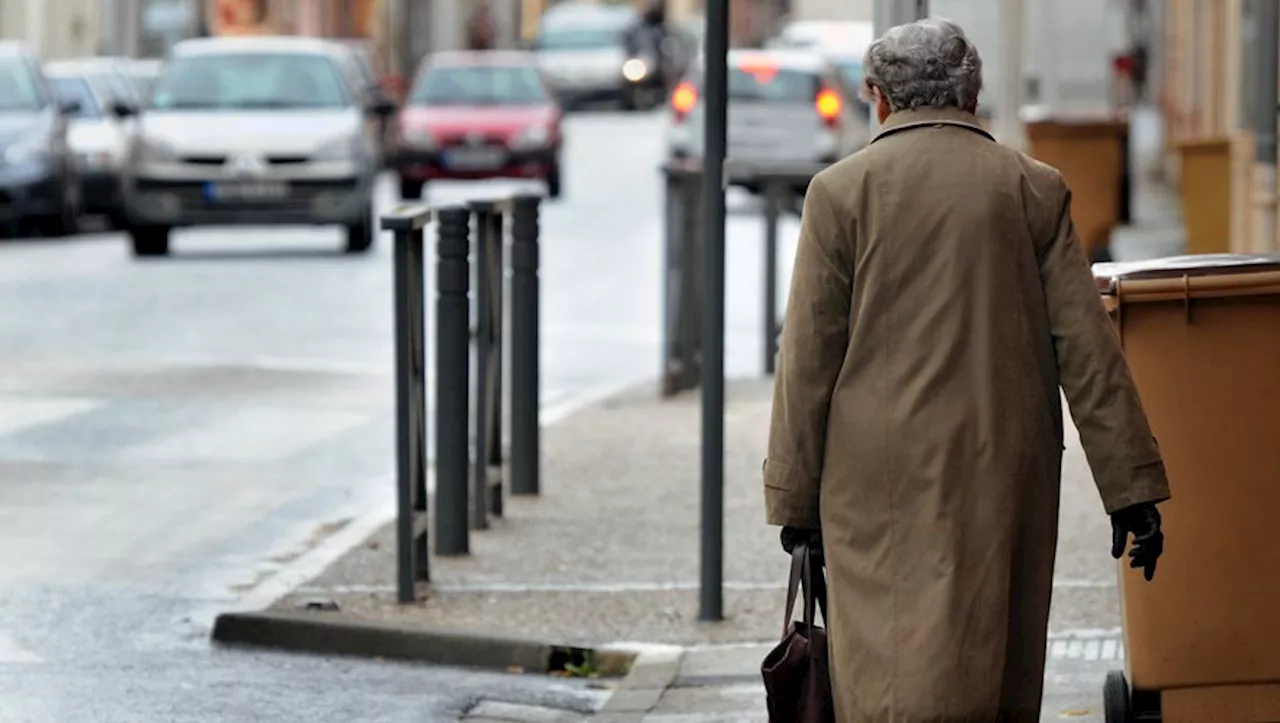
pixel 608 554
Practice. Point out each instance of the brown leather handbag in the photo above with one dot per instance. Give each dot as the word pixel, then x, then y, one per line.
pixel 797 674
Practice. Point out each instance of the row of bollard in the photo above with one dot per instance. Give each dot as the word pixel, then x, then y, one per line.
pixel 779 185
pixel 469 464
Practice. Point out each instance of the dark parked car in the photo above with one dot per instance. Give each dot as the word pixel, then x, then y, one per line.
pixel 38 183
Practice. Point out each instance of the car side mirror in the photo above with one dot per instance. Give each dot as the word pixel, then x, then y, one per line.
pixel 382 107
pixel 120 109
pixel 68 107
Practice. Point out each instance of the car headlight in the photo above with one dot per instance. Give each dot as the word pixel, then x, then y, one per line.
pixel 535 136
pixel 153 150
pixel 33 149
pixel 635 70
pixel 417 138
pixel 342 148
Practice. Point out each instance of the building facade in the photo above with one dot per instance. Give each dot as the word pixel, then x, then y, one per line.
pixel 54 28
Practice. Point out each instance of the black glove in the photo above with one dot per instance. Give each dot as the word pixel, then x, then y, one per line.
pixel 1143 522
pixel 792 536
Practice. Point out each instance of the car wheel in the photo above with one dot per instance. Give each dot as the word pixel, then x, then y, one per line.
pixel 410 189
pixel 360 235
pixel 149 240
pixel 553 182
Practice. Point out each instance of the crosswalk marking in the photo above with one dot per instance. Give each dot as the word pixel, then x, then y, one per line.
pixel 248 434
pixel 18 412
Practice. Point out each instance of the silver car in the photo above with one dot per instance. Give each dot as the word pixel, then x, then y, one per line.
pixel 582 51
pixel 785 107
pixel 254 131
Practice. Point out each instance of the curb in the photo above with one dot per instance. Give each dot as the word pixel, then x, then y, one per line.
pixel 333 634
pixel 653 670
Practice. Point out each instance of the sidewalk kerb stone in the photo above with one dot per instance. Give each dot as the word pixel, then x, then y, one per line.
pixel 653 670
pixel 335 634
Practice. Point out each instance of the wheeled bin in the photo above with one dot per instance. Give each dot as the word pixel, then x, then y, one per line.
pixel 1092 153
pixel 1202 337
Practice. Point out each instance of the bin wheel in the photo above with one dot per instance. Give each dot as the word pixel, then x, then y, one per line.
pixel 1115 698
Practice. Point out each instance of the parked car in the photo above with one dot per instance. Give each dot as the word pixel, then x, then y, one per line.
pixel 110 73
pixel 38 184
pixel 582 49
pixel 253 131
pixel 784 106
pixel 95 135
pixel 479 115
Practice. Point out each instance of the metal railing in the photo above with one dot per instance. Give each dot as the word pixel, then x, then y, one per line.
pixel 469 469
pixel 682 298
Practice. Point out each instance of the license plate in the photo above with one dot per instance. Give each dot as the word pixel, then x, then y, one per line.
pixel 474 159
pixel 246 191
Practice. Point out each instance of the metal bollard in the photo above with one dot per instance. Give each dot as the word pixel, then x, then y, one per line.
pixel 412 560
pixel 682 297
pixel 452 378
pixel 525 431
pixel 486 481
pixel 772 209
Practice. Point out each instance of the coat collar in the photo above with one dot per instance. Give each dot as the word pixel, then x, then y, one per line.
pixel 906 119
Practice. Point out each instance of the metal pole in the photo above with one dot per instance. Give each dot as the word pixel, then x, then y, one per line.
pixel 1265 122
pixel 497 260
pixel 714 145
pixel 452 362
pixel 525 430
pixel 482 210
pixel 412 561
pixel 772 201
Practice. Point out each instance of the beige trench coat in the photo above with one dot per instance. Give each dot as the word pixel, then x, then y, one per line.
pixel 940 299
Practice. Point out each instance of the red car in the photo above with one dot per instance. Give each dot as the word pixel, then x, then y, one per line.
pixel 478 115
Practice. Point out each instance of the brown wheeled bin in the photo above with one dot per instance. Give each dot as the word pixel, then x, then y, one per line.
pixel 1202 337
pixel 1092 153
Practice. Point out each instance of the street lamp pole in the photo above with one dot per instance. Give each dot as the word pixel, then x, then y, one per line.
pixel 711 603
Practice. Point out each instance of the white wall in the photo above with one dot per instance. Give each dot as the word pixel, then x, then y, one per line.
pixel 54 28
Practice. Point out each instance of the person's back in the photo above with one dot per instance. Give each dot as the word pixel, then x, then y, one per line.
pixel 939 299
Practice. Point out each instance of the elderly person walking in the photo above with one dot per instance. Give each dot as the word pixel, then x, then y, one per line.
pixel 939 301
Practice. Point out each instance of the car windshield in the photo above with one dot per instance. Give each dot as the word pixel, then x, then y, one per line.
pixel 581 37
pixel 74 88
pixel 19 90
pixel 479 85
pixel 250 81
pixel 763 83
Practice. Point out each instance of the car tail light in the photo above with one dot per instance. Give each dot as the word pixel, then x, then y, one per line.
pixel 829 105
pixel 683 99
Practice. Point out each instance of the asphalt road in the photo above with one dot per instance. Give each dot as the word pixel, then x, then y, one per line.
pixel 186 435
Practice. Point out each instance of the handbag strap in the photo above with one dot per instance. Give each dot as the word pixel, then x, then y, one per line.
pixel 802 580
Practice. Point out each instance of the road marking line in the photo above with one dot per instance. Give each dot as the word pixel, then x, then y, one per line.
pixel 19 412
pixel 1109 648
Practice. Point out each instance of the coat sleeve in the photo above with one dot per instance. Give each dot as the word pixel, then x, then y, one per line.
pixel 812 350
pixel 1103 399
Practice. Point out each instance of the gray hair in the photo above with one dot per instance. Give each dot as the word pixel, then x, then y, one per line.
pixel 926 64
